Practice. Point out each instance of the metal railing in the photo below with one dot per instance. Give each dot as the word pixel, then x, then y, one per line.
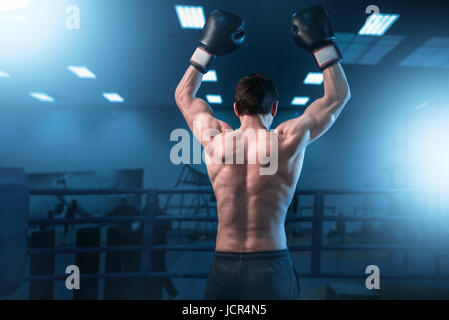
pixel 150 217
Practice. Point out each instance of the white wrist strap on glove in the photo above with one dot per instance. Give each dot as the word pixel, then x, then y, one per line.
pixel 201 58
pixel 326 56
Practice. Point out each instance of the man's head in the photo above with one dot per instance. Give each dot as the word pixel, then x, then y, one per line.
pixel 255 95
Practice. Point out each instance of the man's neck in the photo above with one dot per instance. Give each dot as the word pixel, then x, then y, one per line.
pixel 254 122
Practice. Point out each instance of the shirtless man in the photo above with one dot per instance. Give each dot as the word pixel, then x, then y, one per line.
pixel 251 259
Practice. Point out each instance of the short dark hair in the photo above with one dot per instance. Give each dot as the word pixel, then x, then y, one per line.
pixel 255 94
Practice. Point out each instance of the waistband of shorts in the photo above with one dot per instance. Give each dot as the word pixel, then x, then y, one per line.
pixel 251 255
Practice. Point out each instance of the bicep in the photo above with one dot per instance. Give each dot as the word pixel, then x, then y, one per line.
pixel 314 122
pixel 321 115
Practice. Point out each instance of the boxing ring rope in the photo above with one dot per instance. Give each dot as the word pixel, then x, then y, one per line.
pixel 149 219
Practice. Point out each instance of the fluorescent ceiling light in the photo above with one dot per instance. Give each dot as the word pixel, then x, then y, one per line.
pixel 43 97
pixel 314 78
pixel 3 74
pixel 378 24
pixel 214 98
pixel 113 97
pixel 211 76
pixel 9 5
pixel 82 72
pixel 19 18
pixel 300 101
pixel 190 17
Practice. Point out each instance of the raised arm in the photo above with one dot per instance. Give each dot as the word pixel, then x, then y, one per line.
pixel 312 30
pixel 196 112
pixel 222 34
pixel 323 112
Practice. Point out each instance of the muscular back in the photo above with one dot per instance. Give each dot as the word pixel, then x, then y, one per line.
pixel 252 206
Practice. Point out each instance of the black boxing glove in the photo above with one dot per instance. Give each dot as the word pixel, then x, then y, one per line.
pixel 222 34
pixel 312 30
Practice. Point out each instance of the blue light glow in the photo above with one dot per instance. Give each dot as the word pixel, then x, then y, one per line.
pixel 430 149
pixel 11 5
pixel 16 18
pixel 3 74
pixel 434 53
pixel 366 50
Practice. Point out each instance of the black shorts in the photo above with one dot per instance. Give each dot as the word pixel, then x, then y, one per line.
pixel 252 276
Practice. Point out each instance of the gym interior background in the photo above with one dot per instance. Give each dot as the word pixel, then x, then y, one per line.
pixel 374 190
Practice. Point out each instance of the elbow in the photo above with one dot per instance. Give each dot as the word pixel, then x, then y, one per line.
pixel 180 96
pixel 347 95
